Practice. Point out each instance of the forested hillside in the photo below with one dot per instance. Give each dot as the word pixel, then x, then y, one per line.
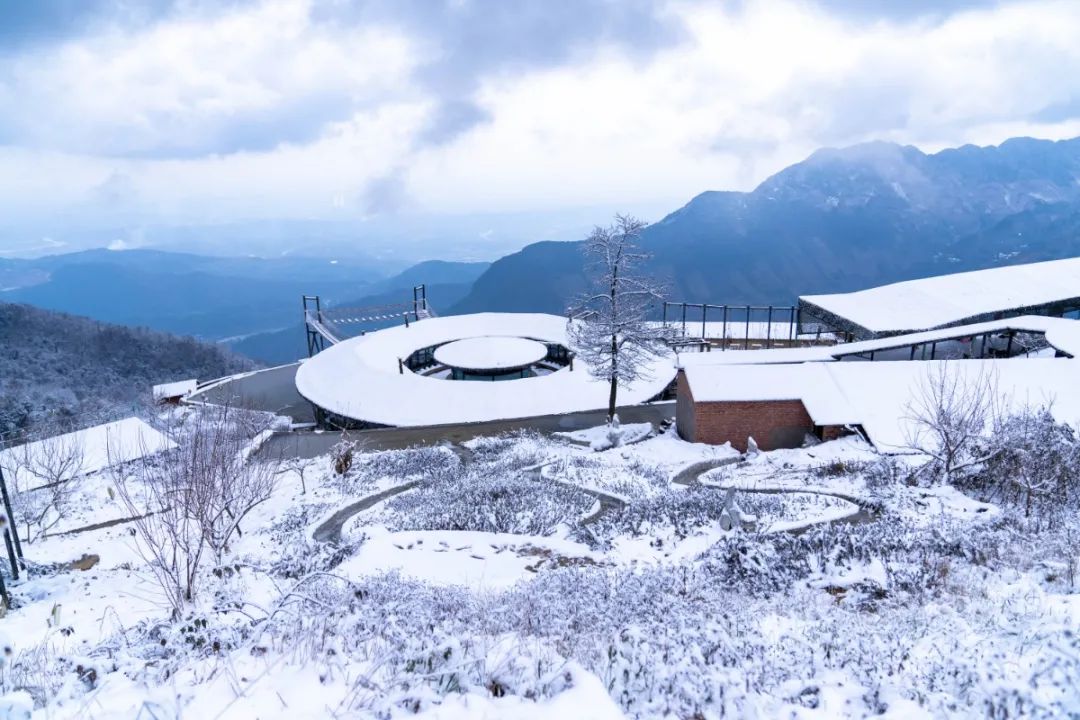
pixel 63 369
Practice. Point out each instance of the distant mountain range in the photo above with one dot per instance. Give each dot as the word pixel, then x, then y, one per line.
pixel 841 220
pixel 212 298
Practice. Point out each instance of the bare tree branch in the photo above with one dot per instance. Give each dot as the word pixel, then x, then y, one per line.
pixel 608 326
pixel 193 499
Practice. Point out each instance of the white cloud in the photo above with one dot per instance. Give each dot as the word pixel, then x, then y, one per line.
pixel 263 112
pixel 253 77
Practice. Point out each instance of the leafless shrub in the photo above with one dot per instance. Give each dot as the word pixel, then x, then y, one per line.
pixel 342 455
pixel 950 412
pixel 1034 463
pixel 885 474
pixel 42 474
pixel 299 466
pixel 488 499
pixel 190 502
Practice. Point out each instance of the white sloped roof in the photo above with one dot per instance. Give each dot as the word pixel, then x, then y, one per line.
pixel 115 442
pixel 180 388
pixel 946 299
pixel 1061 333
pixel 879 395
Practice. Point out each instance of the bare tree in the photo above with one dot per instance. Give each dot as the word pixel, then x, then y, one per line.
pixel 1037 464
pixel 41 475
pixel 190 502
pixel 609 327
pixel 299 466
pixel 951 411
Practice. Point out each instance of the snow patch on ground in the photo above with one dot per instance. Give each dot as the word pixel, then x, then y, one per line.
pixel 604 437
pixel 477 560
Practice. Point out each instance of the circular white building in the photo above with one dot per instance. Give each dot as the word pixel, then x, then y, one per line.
pixel 492 358
pixel 427 373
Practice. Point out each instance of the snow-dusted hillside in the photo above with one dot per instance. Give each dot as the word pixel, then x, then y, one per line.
pixel 528 576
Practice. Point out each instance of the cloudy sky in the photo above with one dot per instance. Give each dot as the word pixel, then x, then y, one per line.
pixel 134 113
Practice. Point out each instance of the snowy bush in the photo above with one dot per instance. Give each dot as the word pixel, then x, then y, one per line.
pixel 1033 464
pixel 367 469
pixel 684 511
pixel 885 475
pixel 517 450
pixel 490 499
pixel 632 480
pixel 188 504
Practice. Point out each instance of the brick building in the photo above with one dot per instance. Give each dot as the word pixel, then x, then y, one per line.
pixel 773 414
pixel 827 392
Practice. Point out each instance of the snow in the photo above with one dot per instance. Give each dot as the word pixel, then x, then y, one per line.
pixel 1061 333
pixel 360 378
pixel 491 353
pixel 942 605
pixel 878 395
pixel 101 446
pixel 949 299
pixel 478 560
pixel 178 389
pixel 735 330
pixel 598 437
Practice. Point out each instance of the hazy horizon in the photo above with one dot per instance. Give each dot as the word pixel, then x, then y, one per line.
pixel 468 129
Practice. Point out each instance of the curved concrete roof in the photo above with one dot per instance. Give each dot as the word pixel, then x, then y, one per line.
pixel 491 353
pixel 359 378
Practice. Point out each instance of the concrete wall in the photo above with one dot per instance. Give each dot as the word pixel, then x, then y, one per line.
pixel 273 390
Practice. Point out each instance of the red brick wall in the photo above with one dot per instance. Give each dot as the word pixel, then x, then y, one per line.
pixel 772 423
pixel 832 432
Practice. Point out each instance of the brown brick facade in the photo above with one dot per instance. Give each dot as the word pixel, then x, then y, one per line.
pixel 832 432
pixel 772 423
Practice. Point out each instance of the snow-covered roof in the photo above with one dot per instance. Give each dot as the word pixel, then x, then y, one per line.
pixel 1062 334
pixel 180 388
pixel 879 395
pixel 115 442
pixel 491 353
pixel 951 299
pixel 359 378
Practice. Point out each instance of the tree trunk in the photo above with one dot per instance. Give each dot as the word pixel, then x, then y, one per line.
pixel 611 400
pixel 614 374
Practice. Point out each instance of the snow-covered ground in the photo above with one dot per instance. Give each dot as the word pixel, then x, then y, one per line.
pixel 524 576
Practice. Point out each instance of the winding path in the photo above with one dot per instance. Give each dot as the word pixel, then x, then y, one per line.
pixel 608 503
pixel 691 475
pixel 330 529
pixel 864 511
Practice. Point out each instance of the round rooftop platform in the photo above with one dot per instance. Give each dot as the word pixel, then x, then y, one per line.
pixel 491 354
pixel 366 380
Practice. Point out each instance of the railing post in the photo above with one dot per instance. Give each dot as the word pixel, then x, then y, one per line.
pixel 768 330
pixel 746 338
pixel 723 331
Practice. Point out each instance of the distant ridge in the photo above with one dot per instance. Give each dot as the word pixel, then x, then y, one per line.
pixel 841 220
